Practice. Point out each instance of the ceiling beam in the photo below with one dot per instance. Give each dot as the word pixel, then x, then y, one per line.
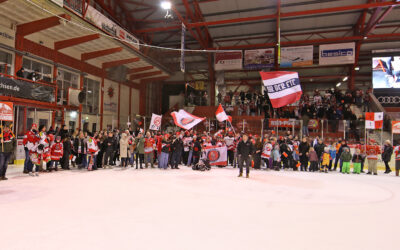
pixel 136 70
pixel 143 75
pixel 99 53
pixel 75 41
pixel 39 25
pixel 120 62
pixel 373 25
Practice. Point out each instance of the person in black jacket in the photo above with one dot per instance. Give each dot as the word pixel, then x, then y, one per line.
pixel 80 147
pixel 109 147
pixel 66 153
pixel 304 147
pixel 319 149
pixel 387 155
pixel 177 149
pixel 244 150
pixel 196 150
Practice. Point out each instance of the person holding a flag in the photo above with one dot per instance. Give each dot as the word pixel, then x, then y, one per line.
pixel 8 146
pixel 244 151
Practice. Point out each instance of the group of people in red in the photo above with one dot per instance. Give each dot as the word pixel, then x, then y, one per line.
pixel 130 148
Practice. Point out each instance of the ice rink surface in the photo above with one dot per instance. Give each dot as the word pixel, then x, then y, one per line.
pixel 185 209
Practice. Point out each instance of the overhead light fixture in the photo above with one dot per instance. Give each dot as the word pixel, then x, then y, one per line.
pixel 338 84
pixel 345 78
pixel 166 5
pixel 73 114
pixel 365 37
pixel 357 68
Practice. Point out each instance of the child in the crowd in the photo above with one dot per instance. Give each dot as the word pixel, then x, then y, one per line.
pixel 266 153
pixel 276 158
pixel 346 158
pixel 296 158
pixel 56 153
pixel 326 159
pixel 357 159
pixel 313 158
pixel 332 152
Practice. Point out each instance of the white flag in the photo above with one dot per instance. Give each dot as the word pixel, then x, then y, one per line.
pixel 217 155
pixel 155 123
pixel 186 120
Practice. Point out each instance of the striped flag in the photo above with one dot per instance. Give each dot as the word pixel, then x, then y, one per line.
pixel 283 87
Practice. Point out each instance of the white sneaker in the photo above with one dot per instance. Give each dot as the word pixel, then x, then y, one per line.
pixel 37 174
pixel 31 174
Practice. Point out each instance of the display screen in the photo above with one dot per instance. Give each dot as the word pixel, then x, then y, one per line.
pixel 386 72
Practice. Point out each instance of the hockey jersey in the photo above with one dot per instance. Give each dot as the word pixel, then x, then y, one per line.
pixel 56 151
pixel 267 149
pixel 373 151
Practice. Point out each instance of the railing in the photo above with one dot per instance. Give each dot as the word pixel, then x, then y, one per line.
pixel 27 89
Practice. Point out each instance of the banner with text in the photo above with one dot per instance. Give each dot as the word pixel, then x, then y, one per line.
pixel 228 60
pixel 332 54
pixel 97 18
pixel 25 89
pixel 259 58
pixel 297 56
pixel 396 127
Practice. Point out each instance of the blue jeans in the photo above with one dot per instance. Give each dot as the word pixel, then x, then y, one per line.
pixel 4 157
pixel 190 158
pixel 163 160
pixel 84 161
pixel 27 163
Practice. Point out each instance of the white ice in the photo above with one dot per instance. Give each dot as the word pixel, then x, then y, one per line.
pixel 185 209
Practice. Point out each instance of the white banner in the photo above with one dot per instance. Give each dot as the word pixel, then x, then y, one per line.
pixel 342 53
pixel 155 123
pixel 186 120
pixel 297 56
pixel 259 58
pixel 103 22
pixel 228 60
pixel 216 155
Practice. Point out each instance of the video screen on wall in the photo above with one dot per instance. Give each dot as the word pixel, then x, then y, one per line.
pixel 386 72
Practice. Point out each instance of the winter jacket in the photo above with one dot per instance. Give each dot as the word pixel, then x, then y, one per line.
pixel 357 158
pixel 304 147
pixel 124 146
pixel 345 157
pixel 9 143
pixel 313 156
pixel 245 148
pixel 139 145
pixel 387 153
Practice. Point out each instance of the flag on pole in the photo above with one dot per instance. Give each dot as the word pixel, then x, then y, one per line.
pixel 373 120
pixel 217 155
pixel 155 123
pixel 186 120
pixel 283 87
pixel 221 115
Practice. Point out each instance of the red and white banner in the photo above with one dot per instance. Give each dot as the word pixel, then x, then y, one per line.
pixel 228 60
pixel 221 115
pixel 6 111
pixel 396 127
pixel 217 155
pixel 373 120
pixel 155 123
pixel 283 87
pixel 186 120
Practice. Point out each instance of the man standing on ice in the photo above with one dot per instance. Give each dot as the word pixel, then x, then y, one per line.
pixel 244 150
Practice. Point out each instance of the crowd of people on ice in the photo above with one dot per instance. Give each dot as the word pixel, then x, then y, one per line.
pixel 49 150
